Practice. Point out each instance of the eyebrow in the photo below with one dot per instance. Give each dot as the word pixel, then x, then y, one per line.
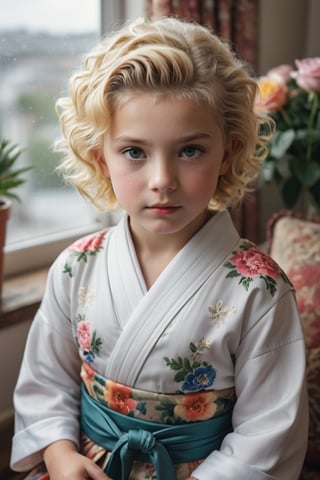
pixel 195 136
pixel 186 138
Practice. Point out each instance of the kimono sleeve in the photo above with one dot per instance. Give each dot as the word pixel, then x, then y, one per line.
pixel 270 418
pixel 46 397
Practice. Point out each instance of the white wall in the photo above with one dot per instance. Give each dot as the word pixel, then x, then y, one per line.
pixel 289 29
pixel 282 32
pixel 312 34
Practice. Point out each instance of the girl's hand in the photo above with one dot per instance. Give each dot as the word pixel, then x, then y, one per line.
pixel 63 462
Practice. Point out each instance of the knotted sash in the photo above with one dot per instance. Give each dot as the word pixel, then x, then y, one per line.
pixel 162 445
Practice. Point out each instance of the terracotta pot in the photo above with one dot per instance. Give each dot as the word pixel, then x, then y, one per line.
pixel 5 206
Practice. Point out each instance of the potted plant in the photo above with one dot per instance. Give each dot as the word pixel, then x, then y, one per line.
pixel 10 178
pixel 291 96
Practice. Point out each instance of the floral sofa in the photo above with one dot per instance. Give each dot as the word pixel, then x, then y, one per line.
pixel 294 243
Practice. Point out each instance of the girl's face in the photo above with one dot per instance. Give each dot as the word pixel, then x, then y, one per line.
pixel 164 156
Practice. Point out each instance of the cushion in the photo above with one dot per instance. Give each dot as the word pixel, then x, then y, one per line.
pixel 294 243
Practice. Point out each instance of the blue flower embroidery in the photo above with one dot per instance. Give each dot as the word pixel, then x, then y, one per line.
pixel 191 372
pixel 199 379
pixel 89 357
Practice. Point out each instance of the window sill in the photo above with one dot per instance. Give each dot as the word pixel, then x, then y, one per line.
pixel 21 296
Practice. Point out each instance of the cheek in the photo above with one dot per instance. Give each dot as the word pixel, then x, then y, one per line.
pixel 203 183
pixel 126 188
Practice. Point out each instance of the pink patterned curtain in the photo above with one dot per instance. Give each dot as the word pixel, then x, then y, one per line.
pixel 236 21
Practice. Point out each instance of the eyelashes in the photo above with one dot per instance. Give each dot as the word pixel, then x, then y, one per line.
pixel 188 152
pixel 191 151
pixel 134 153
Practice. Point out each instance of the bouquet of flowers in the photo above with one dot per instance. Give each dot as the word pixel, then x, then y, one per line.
pixel 291 96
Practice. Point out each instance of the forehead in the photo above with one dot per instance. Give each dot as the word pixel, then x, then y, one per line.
pixel 117 99
pixel 162 117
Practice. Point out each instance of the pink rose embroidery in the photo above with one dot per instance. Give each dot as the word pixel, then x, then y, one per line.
pixel 87 340
pixel 89 244
pixel 84 335
pixel 84 248
pixel 249 262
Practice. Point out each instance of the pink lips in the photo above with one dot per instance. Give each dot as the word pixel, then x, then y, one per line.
pixel 164 209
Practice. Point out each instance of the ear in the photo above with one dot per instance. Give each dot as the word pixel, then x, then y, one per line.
pixel 102 163
pixel 226 160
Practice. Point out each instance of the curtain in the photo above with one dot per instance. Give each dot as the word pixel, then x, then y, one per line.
pixel 236 21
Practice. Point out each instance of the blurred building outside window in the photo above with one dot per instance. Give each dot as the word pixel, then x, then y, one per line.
pixel 41 44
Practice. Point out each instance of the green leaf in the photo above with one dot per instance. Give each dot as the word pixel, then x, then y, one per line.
pixel 67 269
pixel 307 173
pixel 267 171
pixel 186 365
pixel 10 178
pixel 281 142
pixel 312 135
pixel 174 364
pixel 180 376
pixel 233 273
pixel 291 191
pixel 245 281
pixel 270 283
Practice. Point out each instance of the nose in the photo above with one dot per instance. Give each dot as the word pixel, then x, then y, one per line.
pixel 163 174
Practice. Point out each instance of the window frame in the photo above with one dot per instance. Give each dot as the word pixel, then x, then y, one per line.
pixel 39 253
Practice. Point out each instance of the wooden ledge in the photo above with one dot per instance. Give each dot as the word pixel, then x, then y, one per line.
pixel 21 297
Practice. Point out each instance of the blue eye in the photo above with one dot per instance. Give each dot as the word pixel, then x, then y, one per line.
pixel 134 153
pixel 190 152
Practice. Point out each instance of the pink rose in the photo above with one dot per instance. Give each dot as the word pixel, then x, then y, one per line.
pixel 283 71
pixel 84 335
pixel 253 262
pixel 308 74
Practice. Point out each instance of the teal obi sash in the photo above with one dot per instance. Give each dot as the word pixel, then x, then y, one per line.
pixel 162 445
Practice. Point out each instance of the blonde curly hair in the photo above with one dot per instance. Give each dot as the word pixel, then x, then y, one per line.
pixel 165 56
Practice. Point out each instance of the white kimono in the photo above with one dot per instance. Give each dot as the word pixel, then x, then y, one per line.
pixel 222 315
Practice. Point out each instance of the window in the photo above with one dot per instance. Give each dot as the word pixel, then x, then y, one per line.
pixel 41 42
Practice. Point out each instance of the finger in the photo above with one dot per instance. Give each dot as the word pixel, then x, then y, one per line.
pixel 95 472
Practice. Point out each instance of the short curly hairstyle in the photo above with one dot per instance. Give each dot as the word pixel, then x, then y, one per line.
pixel 166 56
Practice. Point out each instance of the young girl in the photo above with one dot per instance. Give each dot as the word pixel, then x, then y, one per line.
pixel 165 347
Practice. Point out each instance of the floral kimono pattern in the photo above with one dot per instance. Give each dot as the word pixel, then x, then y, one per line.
pixel 200 342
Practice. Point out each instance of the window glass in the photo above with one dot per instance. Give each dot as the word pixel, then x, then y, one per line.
pixel 41 43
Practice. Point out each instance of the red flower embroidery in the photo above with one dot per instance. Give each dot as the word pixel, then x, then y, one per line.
pixel 196 406
pixel 87 375
pixel 249 262
pixel 253 262
pixel 119 398
pixel 87 370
